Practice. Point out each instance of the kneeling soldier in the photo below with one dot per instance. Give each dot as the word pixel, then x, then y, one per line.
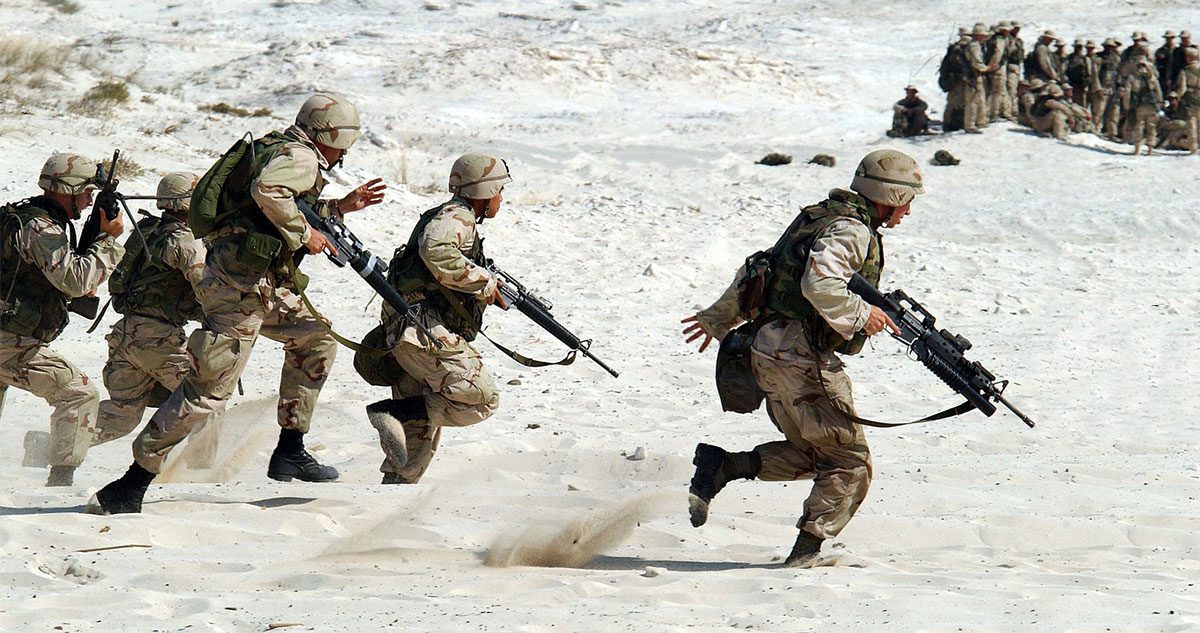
pixel 439 270
pixel 40 273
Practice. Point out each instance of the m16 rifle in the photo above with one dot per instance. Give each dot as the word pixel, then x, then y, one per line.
pixel 941 351
pixel 516 295
pixel 350 250
pixel 108 202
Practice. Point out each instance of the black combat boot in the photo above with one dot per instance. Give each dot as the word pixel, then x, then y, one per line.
pixel 388 418
pixel 291 461
pixel 61 476
pixel 806 552
pixel 124 495
pixel 716 467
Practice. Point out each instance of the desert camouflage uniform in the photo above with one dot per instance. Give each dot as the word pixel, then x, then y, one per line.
pixel 1016 57
pixel 458 389
pixel 147 355
pixel 25 361
pixel 1052 116
pixel 810 405
pixel 1106 109
pixel 975 103
pixel 1144 97
pixel 1188 86
pixel 1046 67
pixel 239 305
pixel 999 105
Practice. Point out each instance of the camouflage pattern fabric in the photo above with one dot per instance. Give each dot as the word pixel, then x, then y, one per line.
pixel 26 363
pixel 1145 126
pixel 147 359
pixel 975 95
pixel 821 442
pixel 1054 121
pixel 457 388
pixel 1188 84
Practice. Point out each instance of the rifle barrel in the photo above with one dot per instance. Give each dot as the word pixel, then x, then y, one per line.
pixel 1024 418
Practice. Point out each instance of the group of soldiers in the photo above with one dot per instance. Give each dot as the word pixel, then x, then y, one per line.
pixel 1134 95
pixel 235 271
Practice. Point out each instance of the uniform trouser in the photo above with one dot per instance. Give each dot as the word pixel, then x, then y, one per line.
pixel 1145 125
pixel 974 104
pixel 822 443
pixel 1099 101
pixel 219 352
pixel 998 102
pixel 26 363
pixel 1053 122
pixel 1014 80
pixel 1193 121
pixel 953 117
pixel 147 358
pixel 458 391
pixel 1112 117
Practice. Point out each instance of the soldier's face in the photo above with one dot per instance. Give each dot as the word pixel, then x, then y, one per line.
pixel 493 205
pixel 898 214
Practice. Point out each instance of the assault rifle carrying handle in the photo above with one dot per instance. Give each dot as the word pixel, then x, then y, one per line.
pixel 941 351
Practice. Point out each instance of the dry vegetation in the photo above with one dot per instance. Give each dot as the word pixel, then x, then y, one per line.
pixel 63 6
pixel 126 167
pixel 29 66
pixel 225 108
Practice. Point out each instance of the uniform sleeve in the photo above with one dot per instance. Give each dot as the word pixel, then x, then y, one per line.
pixel 44 245
pixel 186 254
pixel 442 246
pixel 1045 63
pixel 1000 52
pixel 721 317
pixel 975 57
pixel 291 172
pixel 834 258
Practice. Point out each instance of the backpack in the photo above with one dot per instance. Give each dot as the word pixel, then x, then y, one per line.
pixel 206 198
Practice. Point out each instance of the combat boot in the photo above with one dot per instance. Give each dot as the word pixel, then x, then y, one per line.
pixel 291 461
pixel 61 476
pixel 388 418
pixel 124 495
pixel 716 467
pixel 806 553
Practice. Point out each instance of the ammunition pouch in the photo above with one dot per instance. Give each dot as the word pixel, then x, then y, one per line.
pixel 380 370
pixel 736 386
pixel 258 250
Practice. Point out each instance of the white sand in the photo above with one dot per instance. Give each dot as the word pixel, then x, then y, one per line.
pixel 631 128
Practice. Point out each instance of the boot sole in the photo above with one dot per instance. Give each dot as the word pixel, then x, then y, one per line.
pixel 697 510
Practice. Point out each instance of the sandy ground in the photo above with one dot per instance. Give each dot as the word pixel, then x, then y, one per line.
pixel 631 128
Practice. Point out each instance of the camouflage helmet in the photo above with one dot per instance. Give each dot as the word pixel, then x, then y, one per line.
pixel 71 174
pixel 888 177
pixel 175 191
pixel 329 119
pixel 478 176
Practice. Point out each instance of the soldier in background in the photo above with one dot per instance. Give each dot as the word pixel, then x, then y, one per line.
pixel 1106 110
pixel 1042 65
pixel 1188 82
pixel 1174 130
pixel 909 115
pixel 250 287
pixel 1016 57
pixel 1163 58
pixel 1079 73
pixel 952 77
pixel 1143 97
pixel 808 318
pixel 1060 60
pixel 1179 56
pixel 975 103
pixel 1050 113
pixel 153 288
pixel 999 104
pixel 438 271
pixel 40 272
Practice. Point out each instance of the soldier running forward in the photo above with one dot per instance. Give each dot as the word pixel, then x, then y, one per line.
pixel 439 272
pixel 153 287
pixel 249 287
pixel 40 272
pixel 808 317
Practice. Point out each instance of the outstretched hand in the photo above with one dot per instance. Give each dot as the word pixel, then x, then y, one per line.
pixel 695 331
pixel 363 196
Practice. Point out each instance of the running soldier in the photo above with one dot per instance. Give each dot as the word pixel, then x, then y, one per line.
pixel 439 272
pixel 250 286
pixel 40 272
pixel 153 288
pixel 809 314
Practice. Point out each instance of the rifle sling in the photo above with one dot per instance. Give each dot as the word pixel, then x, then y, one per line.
pixel 353 345
pixel 519 358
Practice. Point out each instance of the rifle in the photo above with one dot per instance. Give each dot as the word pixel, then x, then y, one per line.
pixel 538 310
pixel 350 250
pixel 939 350
pixel 109 202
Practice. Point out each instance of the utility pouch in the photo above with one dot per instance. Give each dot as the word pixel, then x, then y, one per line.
pixel 380 370
pixel 752 291
pixel 736 386
pixel 86 307
pixel 258 250
pixel 22 318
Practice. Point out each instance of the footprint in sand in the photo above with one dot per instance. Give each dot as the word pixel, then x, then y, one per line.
pixel 68 569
